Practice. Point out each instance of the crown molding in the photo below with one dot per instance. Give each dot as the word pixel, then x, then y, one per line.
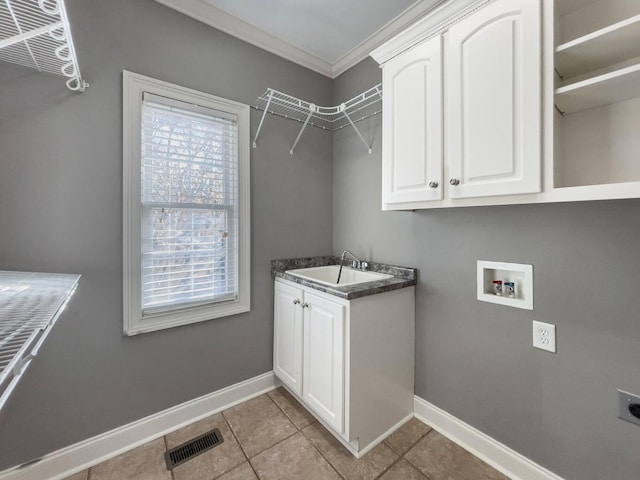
pixel 219 19
pixel 438 19
pixel 384 34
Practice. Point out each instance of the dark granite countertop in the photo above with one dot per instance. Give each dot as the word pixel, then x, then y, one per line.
pixel 402 277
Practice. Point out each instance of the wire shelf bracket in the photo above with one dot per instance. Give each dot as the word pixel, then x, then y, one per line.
pixel 37 34
pixel 332 119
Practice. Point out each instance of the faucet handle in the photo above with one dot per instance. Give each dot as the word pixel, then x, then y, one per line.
pixel 364 265
pixel 355 264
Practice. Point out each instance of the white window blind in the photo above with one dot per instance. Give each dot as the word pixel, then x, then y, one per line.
pixel 189 197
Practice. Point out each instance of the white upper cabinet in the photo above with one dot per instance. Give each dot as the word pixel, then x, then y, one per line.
pixel 462 107
pixel 493 101
pixel 594 127
pixel 412 122
pixel 540 104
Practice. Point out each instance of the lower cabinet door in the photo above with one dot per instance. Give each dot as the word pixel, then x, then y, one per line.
pixel 323 362
pixel 287 345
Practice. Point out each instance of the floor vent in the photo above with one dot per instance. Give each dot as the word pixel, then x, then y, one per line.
pixel 192 448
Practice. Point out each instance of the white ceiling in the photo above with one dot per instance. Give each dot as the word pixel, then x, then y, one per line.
pixel 327 29
pixel 328 36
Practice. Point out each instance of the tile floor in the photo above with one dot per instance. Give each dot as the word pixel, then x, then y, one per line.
pixel 272 437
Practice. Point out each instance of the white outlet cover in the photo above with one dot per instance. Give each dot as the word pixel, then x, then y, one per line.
pixel 544 336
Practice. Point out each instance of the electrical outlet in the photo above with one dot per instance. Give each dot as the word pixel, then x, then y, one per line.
pixel 544 336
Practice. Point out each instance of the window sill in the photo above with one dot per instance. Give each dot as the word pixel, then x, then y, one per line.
pixel 170 319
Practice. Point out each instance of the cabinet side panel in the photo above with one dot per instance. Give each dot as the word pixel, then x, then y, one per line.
pixel 381 351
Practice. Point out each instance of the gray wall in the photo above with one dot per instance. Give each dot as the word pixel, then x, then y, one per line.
pixel 61 199
pixel 475 359
pixel 61 204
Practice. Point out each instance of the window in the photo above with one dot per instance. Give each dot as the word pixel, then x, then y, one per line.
pixel 186 206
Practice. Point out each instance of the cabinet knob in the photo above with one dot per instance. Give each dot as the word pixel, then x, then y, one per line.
pixel 454 182
pixel 433 184
pixel 296 301
pixel 305 305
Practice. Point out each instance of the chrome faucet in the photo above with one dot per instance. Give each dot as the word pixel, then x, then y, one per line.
pixel 357 263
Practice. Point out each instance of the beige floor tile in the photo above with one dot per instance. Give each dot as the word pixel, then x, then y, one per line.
pixel 403 471
pixel 439 458
pixel 211 463
pixel 259 424
pixel 143 463
pixel 407 436
pixel 293 459
pixel 368 467
pixel 243 472
pixel 297 413
pixel 79 476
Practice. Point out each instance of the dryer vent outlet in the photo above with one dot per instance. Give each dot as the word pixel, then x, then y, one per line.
pixel 629 407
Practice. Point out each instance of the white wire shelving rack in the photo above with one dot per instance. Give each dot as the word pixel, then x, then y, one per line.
pixel 37 34
pixel 359 108
pixel 30 304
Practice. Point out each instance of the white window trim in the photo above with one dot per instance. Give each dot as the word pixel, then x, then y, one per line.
pixel 134 86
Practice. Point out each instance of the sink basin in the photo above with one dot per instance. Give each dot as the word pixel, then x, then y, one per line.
pixel 328 275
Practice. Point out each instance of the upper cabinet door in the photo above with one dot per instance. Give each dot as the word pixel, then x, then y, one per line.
pixel 493 101
pixel 412 125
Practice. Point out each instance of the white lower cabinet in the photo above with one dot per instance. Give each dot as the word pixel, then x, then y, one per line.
pixel 287 357
pixel 323 358
pixel 350 362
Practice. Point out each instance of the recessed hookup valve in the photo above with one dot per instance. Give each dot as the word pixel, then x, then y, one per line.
pixel 634 409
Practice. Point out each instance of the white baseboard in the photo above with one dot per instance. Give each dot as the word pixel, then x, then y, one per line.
pixel 381 438
pixel 499 456
pixel 75 458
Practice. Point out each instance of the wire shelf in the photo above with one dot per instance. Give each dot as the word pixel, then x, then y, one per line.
pixel 36 34
pixel 30 304
pixel 360 107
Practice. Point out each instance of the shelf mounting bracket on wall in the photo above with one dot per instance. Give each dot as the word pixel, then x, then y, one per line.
pixel 37 34
pixel 304 125
pixel 332 119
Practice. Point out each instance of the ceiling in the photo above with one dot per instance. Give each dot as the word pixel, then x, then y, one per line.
pixel 327 36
